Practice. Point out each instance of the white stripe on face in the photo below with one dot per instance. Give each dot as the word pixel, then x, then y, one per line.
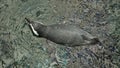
pixel 34 31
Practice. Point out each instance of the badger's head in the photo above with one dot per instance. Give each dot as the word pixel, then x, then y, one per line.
pixel 36 27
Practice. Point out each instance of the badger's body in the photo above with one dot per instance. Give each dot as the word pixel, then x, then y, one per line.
pixel 65 34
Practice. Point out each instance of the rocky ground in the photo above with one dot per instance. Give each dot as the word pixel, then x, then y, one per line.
pixel 20 49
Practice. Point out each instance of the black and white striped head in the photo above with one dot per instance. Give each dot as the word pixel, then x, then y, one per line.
pixel 36 27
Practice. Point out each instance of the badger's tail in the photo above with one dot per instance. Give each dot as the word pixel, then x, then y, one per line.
pixel 95 41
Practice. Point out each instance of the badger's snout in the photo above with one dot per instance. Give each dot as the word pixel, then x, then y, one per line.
pixel 28 20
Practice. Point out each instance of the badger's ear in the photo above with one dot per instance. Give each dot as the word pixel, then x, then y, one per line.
pixel 39 22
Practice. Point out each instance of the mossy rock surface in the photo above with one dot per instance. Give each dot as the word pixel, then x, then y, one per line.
pixel 19 48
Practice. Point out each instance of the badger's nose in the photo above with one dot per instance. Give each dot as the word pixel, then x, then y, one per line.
pixel 29 21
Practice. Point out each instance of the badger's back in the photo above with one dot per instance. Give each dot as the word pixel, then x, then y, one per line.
pixel 69 34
